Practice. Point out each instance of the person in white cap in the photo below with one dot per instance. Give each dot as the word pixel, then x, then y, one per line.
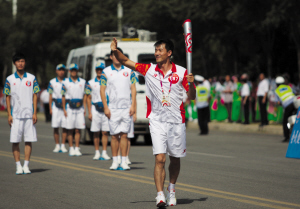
pixel 286 97
pixel 56 110
pixel 73 89
pixel 21 90
pixel 202 104
pixel 96 114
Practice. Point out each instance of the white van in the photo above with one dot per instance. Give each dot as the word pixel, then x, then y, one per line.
pixel 86 59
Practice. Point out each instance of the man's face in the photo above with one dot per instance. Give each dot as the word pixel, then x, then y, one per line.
pixel 261 77
pixel 98 72
pixel 227 78
pixel 20 64
pixel 74 73
pixel 114 59
pixel 60 73
pixel 161 54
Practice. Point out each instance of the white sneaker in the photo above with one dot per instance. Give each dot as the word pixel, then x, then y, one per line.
pixel 114 166
pixel 19 170
pixel 128 161
pixel 63 149
pixel 71 152
pixel 77 152
pixel 56 149
pixel 124 166
pixel 105 156
pixel 160 201
pixel 171 199
pixel 26 170
pixel 119 160
pixel 97 156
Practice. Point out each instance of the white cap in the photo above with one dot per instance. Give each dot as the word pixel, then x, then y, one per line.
pixel 279 80
pixel 199 78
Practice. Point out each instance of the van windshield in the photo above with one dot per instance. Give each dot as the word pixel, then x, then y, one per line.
pixel 146 58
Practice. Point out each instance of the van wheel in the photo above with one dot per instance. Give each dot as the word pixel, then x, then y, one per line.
pixel 134 139
pixel 148 140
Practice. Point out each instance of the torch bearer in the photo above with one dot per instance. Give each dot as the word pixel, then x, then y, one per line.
pixel 187 26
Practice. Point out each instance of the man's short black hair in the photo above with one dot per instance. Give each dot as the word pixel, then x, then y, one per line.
pixel 168 44
pixel 18 56
pixel 111 52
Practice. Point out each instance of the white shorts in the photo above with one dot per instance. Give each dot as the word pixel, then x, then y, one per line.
pixel 58 118
pixel 168 138
pixel 99 121
pixel 75 119
pixel 131 131
pixel 119 121
pixel 22 127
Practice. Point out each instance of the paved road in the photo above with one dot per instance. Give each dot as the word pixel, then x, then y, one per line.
pixel 222 170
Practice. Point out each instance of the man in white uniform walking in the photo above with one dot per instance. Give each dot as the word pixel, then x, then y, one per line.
pixel 166 83
pixel 73 88
pixel 56 110
pixel 96 114
pixel 21 90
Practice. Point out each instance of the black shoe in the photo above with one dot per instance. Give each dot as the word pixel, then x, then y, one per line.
pixel 286 140
pixel 245 123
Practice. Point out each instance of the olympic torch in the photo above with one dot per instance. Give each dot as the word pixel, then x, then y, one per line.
pixel 187 27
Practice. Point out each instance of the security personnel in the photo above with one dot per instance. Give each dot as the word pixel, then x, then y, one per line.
pixel 202 103
pixel 286 97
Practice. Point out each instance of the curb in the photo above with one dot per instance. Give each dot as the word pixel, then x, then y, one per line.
pixel 272 129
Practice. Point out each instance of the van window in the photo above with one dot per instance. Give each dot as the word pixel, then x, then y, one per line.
pixel 81 65
pixel 74 60
pixel 146 58
pixel 108 61
pixel 88 67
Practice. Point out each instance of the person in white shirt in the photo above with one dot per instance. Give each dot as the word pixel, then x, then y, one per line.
pixel 228 97
pixel 21 90
pixel 73 89
pixel 245 93
pixel 166 83
pixel 56 109
pixel 96 114
pixel 44 98
pixel 262 95
pixel 119 82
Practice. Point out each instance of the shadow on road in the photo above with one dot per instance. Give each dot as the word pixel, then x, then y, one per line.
pixel 189 201
pixel 38 170
pixel 86 154
pixel 137 163
pixel 179 201
pixel 132 168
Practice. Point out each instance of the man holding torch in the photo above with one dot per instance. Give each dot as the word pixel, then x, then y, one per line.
pixel 166 83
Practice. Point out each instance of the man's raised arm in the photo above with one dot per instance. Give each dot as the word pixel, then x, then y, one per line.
pixel 121 57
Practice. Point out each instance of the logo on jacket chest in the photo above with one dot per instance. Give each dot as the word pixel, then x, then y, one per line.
pixel 126 74
pixel 175 78
pixel 28 83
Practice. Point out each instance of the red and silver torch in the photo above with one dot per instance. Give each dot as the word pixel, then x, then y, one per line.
pixel 187 26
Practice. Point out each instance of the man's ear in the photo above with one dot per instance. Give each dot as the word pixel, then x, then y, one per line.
pixel 170 53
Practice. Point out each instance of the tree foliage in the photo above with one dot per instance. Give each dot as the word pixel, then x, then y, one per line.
pixel 229 37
